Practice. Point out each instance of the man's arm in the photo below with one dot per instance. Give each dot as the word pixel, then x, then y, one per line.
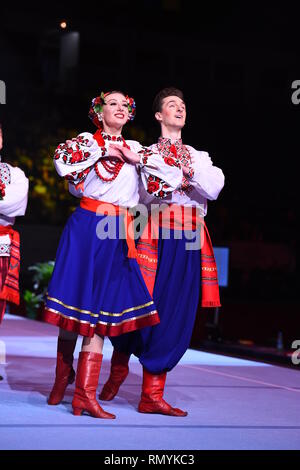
pixel 207 179
pixel 160 176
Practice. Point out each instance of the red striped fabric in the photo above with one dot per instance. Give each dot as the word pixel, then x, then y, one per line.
pixel 147 249
pixel 4 263
pixel 9 290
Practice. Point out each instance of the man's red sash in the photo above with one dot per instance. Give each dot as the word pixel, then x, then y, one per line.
pixel 179 218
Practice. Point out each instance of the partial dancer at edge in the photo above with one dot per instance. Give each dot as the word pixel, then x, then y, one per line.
pixel 13 202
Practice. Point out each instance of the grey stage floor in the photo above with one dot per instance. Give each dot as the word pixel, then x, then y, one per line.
pixel 232 403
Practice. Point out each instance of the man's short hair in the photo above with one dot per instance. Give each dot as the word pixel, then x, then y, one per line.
pixel 164 93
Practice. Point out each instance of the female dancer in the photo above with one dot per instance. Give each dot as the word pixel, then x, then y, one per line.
pixel 97 289
pixel 13 202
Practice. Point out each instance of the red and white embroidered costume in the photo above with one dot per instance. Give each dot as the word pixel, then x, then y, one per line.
pixel 102 181
pixel 204 182
pixel 175 274
pixel 80 163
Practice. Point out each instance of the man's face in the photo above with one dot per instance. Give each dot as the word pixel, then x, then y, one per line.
pixel 173 112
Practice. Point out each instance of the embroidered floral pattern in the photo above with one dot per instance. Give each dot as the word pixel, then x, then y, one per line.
pixel 191 173
pixel 5 178
pixel 181 155
pixel 146 153
pixel 4 249
pixel 171 162
pixel 2 191
pixel 71 155
pixel 157 187
pixel 77 177
pixel 112 138
pixel 81 140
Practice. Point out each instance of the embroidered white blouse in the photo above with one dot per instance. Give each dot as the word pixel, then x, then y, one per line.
pixel 206 182
pixel 14 202
pixel 80 162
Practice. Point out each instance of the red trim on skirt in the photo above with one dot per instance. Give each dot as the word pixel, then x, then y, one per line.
pixel 85 329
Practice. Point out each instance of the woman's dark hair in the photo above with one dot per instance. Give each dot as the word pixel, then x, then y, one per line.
pixel 164 93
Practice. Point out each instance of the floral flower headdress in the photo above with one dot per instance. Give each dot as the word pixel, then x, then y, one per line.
pixel 97 107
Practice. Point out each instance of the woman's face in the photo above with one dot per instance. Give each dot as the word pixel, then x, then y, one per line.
pixel 115 111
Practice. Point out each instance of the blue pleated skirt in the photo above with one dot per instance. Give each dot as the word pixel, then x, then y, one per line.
pixel 95 287
pixel 176 295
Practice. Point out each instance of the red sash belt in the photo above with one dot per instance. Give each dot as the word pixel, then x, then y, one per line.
pixel 106 208
pixel 179 218
pixel 10 290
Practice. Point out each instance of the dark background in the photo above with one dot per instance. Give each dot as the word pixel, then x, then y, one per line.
pixel 235 62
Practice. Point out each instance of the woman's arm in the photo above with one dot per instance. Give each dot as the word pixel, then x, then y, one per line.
pixel 160 175
pixel 75 158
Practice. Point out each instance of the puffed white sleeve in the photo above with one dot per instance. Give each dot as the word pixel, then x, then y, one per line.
pixel 206 178
pixel 75 159
pixel 160 175
pixel 14 202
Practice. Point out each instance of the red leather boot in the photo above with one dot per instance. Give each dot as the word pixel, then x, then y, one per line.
pixel 88 370
pixel 152 396
pixel 65 373
pixel 118 372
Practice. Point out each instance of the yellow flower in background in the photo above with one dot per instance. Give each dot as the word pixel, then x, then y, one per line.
pixel 49 195
pixel 40 189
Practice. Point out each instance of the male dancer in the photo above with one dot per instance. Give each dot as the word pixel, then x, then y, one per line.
pixel 180 272
pixel 13 202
